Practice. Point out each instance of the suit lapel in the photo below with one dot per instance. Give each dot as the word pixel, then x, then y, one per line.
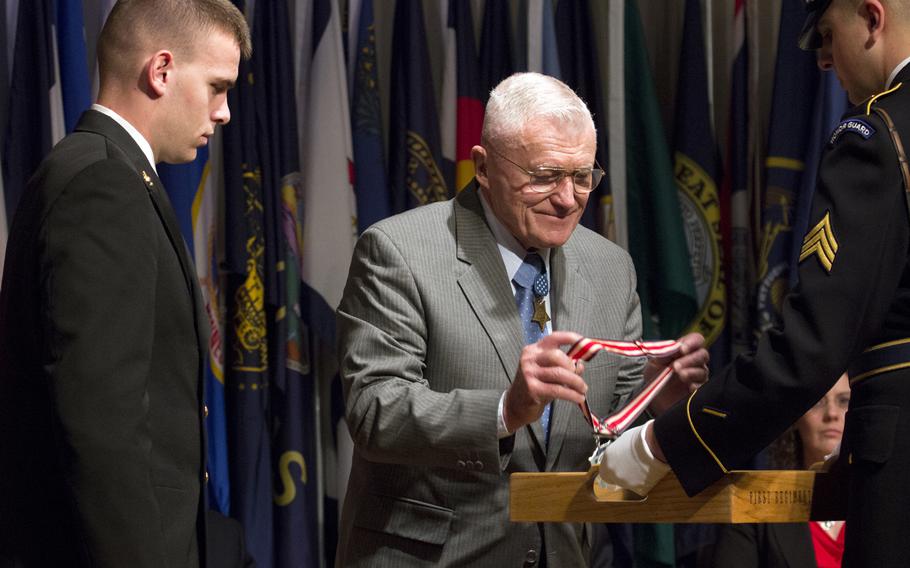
pixel 98 123
pixel 172 228
pixel 485 283
pixel 569 304
pixel 486 287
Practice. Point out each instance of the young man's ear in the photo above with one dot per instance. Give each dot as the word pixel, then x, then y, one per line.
pixel 158 71
pixel 875 17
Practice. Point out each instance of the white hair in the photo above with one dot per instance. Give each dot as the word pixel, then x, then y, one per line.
pixel 523 97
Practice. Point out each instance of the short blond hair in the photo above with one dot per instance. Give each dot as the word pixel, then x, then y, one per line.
pixel 176 25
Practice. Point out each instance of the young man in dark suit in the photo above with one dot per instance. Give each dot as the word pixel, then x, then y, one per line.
pixel 102 330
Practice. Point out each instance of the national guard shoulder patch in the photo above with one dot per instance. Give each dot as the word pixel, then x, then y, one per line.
pixel 820 242
pixel 854 125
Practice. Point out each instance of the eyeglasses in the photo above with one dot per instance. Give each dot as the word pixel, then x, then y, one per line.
pixel 545 179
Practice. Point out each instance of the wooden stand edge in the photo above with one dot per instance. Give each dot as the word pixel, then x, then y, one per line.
pixel 739 497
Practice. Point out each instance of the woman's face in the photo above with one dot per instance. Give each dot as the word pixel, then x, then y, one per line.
pixel 822 427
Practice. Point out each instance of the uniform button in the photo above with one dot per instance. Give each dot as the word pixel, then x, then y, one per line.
pixel 531 557
pixel 205 411
pixel 469 464
pixel 461 464
pixel 206 477
pixel 478 465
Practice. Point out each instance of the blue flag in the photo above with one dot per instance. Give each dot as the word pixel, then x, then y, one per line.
pixel 71 53
pixel 415 153
pixel 292 407
pixel 370 184
pixel 181 181
pixel 247 356
pixel 195 202
pixel 695 169
pixel 496 61
pixel 28 129
pixel 581 71
pixel 735 200
pixel 796 81
pixel 469 94
pixel 543 53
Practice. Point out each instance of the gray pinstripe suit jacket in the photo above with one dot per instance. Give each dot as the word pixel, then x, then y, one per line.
pixel 429 340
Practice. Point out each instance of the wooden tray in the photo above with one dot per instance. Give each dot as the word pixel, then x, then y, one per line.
pixel 740 497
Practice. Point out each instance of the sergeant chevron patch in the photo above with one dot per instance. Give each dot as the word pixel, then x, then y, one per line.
pixel 820 241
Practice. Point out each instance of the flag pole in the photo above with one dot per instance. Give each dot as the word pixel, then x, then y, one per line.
pixel 616 105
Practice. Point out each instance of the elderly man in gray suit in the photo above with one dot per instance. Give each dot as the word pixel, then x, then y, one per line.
pixel 451 382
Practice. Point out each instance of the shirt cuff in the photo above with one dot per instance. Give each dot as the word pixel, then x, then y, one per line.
pixel 501 430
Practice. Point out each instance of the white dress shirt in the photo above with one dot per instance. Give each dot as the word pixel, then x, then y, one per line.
pixel 131 130
pixel 513 255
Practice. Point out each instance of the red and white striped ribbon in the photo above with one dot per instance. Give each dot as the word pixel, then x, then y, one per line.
pixel 585 349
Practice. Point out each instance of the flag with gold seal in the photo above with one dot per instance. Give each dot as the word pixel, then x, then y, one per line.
pixel 415 152
pixel 695 171
pixel 795 85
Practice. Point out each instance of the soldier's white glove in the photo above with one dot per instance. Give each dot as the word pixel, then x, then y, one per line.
pixel 629 463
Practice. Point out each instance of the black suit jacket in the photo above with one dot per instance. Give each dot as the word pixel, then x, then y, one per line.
pixel 785 545
pixel 102 343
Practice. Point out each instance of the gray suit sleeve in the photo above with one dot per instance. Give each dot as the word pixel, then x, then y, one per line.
pixel 392 411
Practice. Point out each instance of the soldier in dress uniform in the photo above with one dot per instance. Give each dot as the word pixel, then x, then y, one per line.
pixel 850 311
pixel 103 333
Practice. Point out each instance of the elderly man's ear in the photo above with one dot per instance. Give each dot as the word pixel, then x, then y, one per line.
pixel 479 155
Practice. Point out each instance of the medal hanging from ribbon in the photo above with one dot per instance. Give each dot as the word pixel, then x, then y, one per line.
pixel 585 349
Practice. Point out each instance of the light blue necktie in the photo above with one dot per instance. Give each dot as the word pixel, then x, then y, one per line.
pixel 530 283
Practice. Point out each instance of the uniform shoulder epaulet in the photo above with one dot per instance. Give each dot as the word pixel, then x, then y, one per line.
pixel 856 122
pixel 874 98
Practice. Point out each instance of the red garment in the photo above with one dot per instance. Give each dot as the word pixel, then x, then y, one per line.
pixel 828 551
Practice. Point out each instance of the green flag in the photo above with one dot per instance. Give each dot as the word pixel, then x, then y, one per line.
pixel 657 240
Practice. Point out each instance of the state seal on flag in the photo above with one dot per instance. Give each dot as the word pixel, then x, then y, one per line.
pixel 424 179
pixel 700 210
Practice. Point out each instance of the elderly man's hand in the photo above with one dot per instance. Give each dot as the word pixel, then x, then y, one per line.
pixel 690 370
pixel 545 373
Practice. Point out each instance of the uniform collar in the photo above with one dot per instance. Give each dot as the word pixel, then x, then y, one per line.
pixel 138 138
pixel 895 72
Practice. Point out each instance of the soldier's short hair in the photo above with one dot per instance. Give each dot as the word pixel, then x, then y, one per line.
pixel 136 26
